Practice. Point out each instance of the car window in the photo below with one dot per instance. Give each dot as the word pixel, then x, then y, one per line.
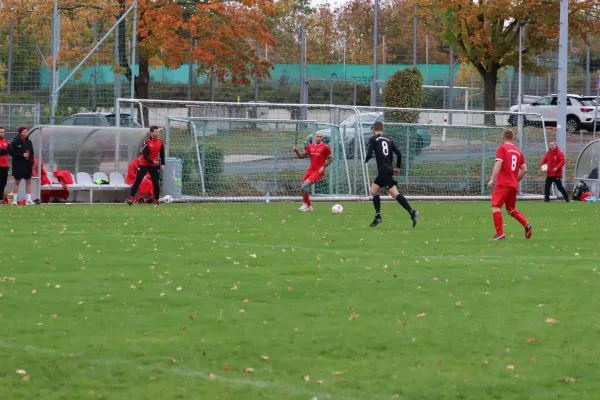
pixel 569 102
pixel 87 121
pixel 588 102
pixel 67 121
pixel 349 121
pixel 544 101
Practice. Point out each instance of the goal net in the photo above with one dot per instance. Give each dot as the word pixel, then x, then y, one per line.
pixel 243 151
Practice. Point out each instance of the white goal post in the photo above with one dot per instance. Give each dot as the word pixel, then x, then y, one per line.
pixel 243 151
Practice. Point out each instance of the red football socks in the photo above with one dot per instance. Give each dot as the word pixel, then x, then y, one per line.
pixel 519 217
pixel 306 199
pixel 498 223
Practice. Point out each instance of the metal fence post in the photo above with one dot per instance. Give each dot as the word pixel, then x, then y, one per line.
pixel 407 154
pixel 275 154
pixel 468 171
pixel 482 183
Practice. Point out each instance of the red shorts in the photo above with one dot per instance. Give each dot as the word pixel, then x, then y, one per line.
pixel 313 176
pixel 504 195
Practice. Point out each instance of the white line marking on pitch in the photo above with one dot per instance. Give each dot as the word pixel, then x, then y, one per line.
pixel 177 371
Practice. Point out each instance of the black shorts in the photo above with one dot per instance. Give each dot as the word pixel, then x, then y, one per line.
pixel 21 171
pixel 385 180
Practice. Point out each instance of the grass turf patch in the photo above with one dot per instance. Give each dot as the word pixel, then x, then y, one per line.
pixel 257 301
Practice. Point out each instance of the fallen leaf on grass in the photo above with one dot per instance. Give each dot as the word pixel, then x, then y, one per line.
pixel 551 320
pixel 249 370
pixel 172 360
pixel 252 255
pixel 306 378
pixel 34 291
pixel 131 286
pixel 27 378
pixel 192 317
pixel 531 340
pixel 264 358
pixel 152 378
pixel 245 301
pixel 242 310
pixel 458 304
pixel 179 288
pixel 319 382
pixel 339 373
pixel 421 315
pixel 212 376
pixel 21 372
pixel 81 302
pixel 352 316
pixel 510 367
pixel 227 367
pixel 567 379
pixel 234 287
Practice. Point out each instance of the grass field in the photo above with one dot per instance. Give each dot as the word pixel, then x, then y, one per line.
pixel 258 301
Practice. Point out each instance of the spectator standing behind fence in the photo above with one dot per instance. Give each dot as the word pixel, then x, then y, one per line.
pixel 21 150
pixel 555 159
pixel 4 151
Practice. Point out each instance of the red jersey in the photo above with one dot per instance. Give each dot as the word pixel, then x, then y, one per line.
pixel 318 154
pixel 4 145
pixel 512 158
pixel 153 153
pixel 555 159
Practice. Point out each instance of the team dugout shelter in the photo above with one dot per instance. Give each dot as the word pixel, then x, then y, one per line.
pixel 90 154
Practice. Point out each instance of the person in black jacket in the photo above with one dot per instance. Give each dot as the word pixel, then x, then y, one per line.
pixel 21 150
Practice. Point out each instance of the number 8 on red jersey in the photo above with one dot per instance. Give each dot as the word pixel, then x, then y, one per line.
pixel 512 159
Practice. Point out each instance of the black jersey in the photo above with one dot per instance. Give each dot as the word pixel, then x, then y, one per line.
pixel 384 150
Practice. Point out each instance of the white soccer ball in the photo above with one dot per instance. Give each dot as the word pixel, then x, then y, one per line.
pixel 337 209
pixel 167 199
pixel 544 167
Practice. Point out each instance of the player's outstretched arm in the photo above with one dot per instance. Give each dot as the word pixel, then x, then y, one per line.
pixel 298 154
pixel 369 151
pixel 495 173
pixel 398 156
pixel 522 172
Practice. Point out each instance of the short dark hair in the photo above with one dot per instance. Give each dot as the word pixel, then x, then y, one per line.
pixel 508 134
pixel 378 126
pixel 153 128
pixel 1 127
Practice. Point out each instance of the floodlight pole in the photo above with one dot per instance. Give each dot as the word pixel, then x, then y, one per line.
pixel 55 49
pixel 375 43
pixel 87 57
pixel 563 43
pixel 520 85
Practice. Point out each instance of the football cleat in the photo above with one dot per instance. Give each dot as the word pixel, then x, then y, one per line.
pixel 130 202
pixel 499 237
pixel 303 208
pixel 414 215
pixel 376 221
pixel 528 231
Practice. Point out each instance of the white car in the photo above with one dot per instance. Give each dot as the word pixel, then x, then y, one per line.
pixel 581 111
pixel 348 129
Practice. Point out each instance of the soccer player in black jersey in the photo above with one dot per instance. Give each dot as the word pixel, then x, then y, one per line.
pixel 384 149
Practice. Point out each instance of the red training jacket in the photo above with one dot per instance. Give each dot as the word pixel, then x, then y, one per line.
pixel 4 145
pixel 153 153
pixel 555 159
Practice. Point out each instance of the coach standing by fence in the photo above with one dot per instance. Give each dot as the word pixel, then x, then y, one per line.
pixel 555 159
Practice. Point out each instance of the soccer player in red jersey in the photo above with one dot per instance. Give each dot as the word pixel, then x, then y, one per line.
pixel 510 168
pixel 152 161
pixel 320 157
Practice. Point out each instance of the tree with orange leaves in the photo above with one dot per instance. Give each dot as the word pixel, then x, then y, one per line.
pixel 223 34
pixel 486 33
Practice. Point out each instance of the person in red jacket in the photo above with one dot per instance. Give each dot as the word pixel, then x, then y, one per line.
pixel 152 161
pixel 146 188
pixel 4 151
pixel 555 159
